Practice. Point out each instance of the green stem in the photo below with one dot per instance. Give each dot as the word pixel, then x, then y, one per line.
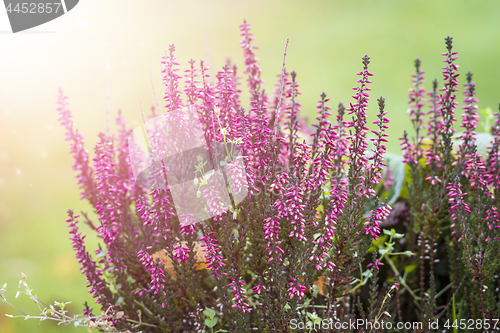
pixel 443 291
pixel 359 285
pixel 377 317
pixel 140 323
pixel 403 282
pixel 144 307
pixel 454 315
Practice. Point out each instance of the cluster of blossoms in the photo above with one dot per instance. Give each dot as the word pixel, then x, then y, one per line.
pixel 255 214
pixel 157 275
pixel 95 280
pixel 193 213
pixel 251 212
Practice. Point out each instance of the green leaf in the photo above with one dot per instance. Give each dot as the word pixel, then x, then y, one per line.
pixel 379 242
pixel 211 322
pixel 209 313
pixel 410 268
pixel 313 317
pixel 315 290
pixel 383 251
pixel 367 274
pixel 396 235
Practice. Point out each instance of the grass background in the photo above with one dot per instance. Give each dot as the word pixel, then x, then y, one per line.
pixel 110 46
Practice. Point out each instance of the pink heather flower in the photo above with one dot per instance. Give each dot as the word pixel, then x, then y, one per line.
pixel 325 157
pixel 374 172
pixel 156 272
pixel 415 111
pixel 407 149
pixel 237 176
pixel 357 150
pixel 181 254
pixel 291 209
pixel 156 216
pixel 476 172
pixel 470 119
pixel 271 225
pixel 227 101
pixel 258 288
pixel 459 206
pixel 191 91
pixel 239 294
pixel 433 179
pixel 376 217
pixel 296 289
pixel 292 108
pixel 252 67
pixel 322 118
pixel 468 158
pixel 447 100
pixel 208 104
pixel 271 228
pixel 186 224
pixel 171 80
pixel 85 175
pixel 375 264
pixel 214 259
pixel 107 204
pixel 128 188
pixel 320 259
pixel 492 217
pixel 434 126
pixel 97 285
pixel 257 142
pixel 336 145
pixel 493 161
pixel 285 105
pixel 214 203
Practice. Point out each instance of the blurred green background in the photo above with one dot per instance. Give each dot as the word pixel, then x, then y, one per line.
pixel 102 44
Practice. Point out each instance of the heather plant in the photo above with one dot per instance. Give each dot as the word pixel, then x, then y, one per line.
pixel 262 254
pixel 454 202
pixel 213 217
